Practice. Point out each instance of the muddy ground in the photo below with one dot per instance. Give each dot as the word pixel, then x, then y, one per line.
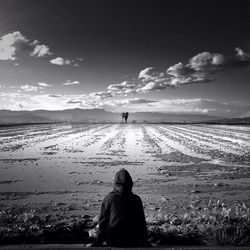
pixel 68 168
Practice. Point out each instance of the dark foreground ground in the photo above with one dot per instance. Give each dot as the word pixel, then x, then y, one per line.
pixel 82 247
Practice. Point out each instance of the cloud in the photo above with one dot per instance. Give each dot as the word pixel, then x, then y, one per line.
pixel 13 45
pixel 206 61
pixel 9 44
pixel 150 74
pixel 141 101
pixel 101 95
pixel 152 80
pixel 184 74
pixel 152 86
pixel 43 84
pixel 200 69
pixel 241 54
pixel 29 88
pixel 115 90
pixel 71 83
pixel 122 86
pixel 61 61
pixel 147 74
pixel 180 70
pixel 41 50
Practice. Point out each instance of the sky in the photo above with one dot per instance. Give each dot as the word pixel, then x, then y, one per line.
pixel 134 55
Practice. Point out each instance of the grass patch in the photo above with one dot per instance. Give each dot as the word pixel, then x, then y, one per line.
pixel 214 224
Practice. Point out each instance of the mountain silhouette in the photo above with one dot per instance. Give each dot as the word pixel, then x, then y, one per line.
pixel 95 115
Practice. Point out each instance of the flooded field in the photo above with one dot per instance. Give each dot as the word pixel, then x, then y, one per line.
pixel 69 168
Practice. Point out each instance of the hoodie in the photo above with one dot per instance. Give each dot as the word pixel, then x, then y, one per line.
pixel 122 220
pixel 123 182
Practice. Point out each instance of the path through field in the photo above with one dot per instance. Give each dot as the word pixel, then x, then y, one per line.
pixel 75 163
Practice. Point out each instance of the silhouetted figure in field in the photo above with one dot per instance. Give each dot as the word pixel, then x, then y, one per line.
pixel 122 220
pixel 124 116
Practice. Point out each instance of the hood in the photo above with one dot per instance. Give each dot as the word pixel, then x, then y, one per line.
pixel 123 182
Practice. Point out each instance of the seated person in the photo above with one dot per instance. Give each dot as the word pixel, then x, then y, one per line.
pixel 122 220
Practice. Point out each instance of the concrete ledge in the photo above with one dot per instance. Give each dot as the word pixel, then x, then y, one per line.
pixel 81 247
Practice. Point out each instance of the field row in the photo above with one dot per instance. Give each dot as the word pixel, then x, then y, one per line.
pixel 180 143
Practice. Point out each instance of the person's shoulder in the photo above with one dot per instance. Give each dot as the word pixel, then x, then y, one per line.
pixel 107 198
pixel 137 198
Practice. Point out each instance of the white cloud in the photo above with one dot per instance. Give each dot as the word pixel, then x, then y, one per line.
pixel 101 95
pixel 242 55
pixel 60 61
pixel 41 50
pixel 13 45
pixel 71 83
pixel 141 101
pixel 200 69
pixel 9 44
pixel 152 86
pixel 43 84
pixel 152 80
pixel 150 74
pixel 145 74
pixel 179 70
pixel 206 61
pixel 29 88
pixel 122 86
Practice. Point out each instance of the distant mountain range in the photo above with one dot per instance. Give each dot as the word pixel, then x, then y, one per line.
pixel 97 115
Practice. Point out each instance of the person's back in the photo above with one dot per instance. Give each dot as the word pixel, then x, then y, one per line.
pixel 122 221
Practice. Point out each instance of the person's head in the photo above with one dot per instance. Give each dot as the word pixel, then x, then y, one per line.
pixel 123 182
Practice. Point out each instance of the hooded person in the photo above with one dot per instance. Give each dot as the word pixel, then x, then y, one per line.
pixel 122 220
